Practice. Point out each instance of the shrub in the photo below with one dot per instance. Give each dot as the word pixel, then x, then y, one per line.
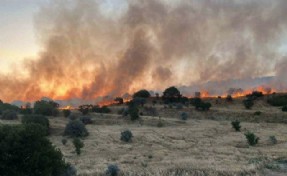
pixel 37 119
pixel 64 141
pixel 248 103
pixel 160 124
pixel 183 116
pixel 142 94
pixel 24 150
pixel 46 108
pixel 203 106
pixel 103 109
pixel 278 100
pixel 26 111
pixel 257 113
pixel 236 125
pixel 179 106
pixel 66 112
pixel 76 128
pixel 134 113
pixel 9 115
pixel 7 106
pixel 72 117
pixel 273 139
pixel 126 136
pixel 252 139
pixel 151 111
pixel 120 100
pixel 70 170
pixel 229 98
pixel 113 170
pixel 78 144
pixel 86 120
pixel 284 108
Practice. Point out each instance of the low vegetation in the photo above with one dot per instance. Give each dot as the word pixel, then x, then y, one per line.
pixel 252 139
pixel 284 108
pixel 278 100
pixel 248 103
pixel 236 125
pixel 9 115
pixel 46 108
pixel 66 112
pixel 86 120
pixel 126 136
pixel 24 150
pixel 113 170
pixel 37 119
pixel 78 144
pixel 76 128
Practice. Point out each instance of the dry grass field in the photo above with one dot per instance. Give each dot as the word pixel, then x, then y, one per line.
pixel 205 144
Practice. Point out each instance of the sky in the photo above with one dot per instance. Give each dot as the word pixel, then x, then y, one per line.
pixel 18 39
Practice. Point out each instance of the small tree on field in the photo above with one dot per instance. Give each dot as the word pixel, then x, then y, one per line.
pixel 236 125
pixel 252 139
pixel 78 144
pixel 248 103
pixel 66 112
pixel 142 94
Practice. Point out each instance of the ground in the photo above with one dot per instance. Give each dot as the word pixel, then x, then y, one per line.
pixel 205 144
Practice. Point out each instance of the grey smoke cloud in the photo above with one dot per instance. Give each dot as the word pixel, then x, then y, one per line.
pixel 151 44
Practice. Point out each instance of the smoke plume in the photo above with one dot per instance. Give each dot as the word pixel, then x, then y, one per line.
pixel 87 52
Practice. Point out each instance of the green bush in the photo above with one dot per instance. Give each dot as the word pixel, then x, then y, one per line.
pixel 142 94
pixel 104 109
pixel 66 112
pixel 229 98
pixel 73 116
pixel 76 128
pixel 257 113
pixel 113 170
pixel 184 116
pixel 9 115
pixel 26 111
pixel 37 119
pixel 284 108
pixel 24 150
pixel 252 139
pixel 126 136
pixel 236 125
pixel 70 170
pixel 248 103
pixel 46 108
pixel 273 140
pixel 86 120
pixel 278 100
pixel 134 113
pixel 7 106
pixel 64 141
pixel 78 144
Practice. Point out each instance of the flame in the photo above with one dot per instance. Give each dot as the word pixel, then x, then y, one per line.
pixel 67 108
pixel 238 94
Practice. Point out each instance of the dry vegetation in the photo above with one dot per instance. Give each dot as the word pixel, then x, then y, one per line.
pixel 205 144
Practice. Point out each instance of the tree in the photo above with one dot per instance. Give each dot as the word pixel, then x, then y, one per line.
pixel 142 94
pixel 24 150
pixel 171 95
pixel 248 103
pixel 171 92
pixel 120 100
pixel 46 108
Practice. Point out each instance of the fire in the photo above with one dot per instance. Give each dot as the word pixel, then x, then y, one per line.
pixel 67 108
pixel 239 93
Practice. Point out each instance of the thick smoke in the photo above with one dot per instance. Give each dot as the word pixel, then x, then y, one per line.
pixel 149 44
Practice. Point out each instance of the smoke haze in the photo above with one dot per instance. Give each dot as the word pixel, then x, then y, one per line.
pixel 87 53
